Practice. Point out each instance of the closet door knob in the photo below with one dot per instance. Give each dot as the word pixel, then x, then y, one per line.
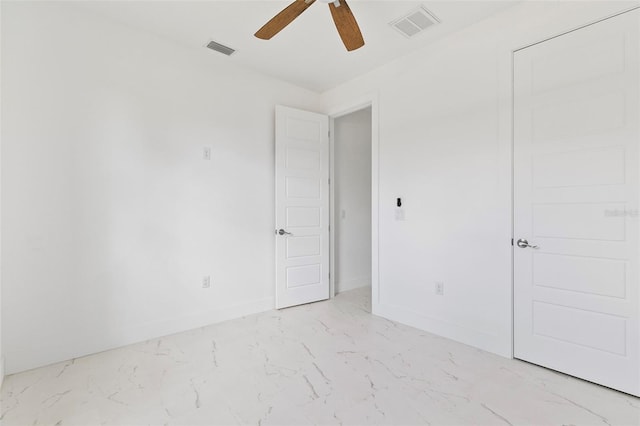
pixel 524 244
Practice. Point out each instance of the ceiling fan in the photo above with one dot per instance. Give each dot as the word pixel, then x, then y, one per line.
pixel 340 11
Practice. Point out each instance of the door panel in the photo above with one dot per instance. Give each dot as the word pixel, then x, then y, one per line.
pixel 576 190
pixel 302 205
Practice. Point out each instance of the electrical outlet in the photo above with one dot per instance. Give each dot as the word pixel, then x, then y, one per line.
pixel 206 281
pixel 439 288
pixel 206 153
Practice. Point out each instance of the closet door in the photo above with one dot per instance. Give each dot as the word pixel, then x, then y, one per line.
pixel 576 190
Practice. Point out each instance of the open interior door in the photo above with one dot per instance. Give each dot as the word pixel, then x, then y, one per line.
pixel 302 207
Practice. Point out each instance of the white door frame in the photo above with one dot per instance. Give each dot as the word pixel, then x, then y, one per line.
pixel 370 100
pixel 511 120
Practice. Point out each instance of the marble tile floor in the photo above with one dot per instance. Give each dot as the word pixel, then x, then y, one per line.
pixel 328 363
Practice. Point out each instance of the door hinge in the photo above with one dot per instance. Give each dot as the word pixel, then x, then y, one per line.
pixel 512 241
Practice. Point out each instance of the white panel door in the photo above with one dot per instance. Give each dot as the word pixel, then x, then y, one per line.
pixel 302 207
pixel 576 188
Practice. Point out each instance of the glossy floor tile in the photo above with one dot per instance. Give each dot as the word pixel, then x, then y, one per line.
pixel 327 363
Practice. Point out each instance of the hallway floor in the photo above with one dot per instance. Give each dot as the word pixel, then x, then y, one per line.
pixel 325 363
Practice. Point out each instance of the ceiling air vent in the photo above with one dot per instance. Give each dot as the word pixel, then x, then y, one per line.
pixel 220 48
pixel 415 22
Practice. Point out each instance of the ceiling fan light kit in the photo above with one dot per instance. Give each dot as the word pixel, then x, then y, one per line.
pixel 346 24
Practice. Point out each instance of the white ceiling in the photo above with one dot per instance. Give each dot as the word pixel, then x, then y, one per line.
pixel 309 51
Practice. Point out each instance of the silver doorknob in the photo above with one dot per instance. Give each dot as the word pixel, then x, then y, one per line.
pixel 283 232
pixel 524 244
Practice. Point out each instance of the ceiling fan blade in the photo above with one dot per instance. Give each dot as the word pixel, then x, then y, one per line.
pixel 347 26
pixel 284 18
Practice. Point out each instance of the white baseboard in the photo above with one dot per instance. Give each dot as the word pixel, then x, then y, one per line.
pixel 499 345
pixel 189 322
pixel 347 285
pixel 85 345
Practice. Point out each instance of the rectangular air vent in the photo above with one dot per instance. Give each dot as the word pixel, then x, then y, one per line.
pixel 220 48
pixel 415 22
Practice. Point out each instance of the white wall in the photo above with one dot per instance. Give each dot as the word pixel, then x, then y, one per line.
pixel 110 215
pixel 445 147
pixel 352 175
pixel 1 347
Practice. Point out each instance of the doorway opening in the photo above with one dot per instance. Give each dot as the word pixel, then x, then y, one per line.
pixel 351 203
